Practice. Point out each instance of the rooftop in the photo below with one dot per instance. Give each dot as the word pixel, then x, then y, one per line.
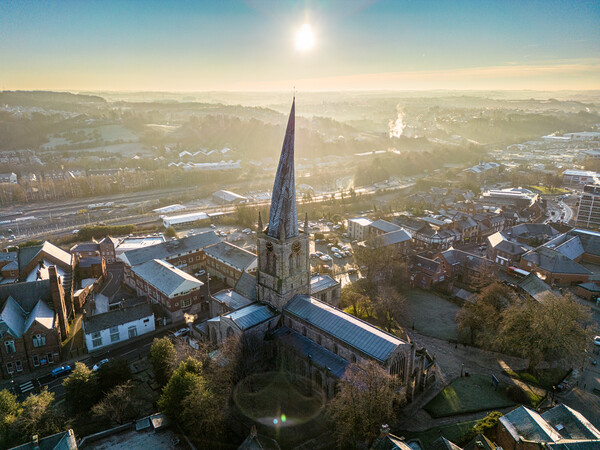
pixel 167 278
pixel 117 317
pixel 361 335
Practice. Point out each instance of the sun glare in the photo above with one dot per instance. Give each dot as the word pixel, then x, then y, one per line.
pixel 304 38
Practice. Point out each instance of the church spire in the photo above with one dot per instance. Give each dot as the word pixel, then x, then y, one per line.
pixel 283 216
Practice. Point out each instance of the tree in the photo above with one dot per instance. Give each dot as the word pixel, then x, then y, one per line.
pixel 115 372
pixel 81 389
pixel 481 316
pixel 362 404
pixel 556 328
pixel 163 357
pixel 119 406
pixel 10 410
pixel 39 417
pixel 183 380
pixel 389 305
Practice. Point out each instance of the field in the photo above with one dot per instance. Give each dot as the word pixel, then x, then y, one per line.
pixel 467 395
pixel 431 314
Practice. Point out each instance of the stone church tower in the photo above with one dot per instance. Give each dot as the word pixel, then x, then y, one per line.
pixel 283 251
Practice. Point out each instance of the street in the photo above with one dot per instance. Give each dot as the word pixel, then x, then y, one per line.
pixel 128 350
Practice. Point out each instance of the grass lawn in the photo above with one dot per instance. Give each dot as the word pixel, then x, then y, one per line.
pixel 454 433
pixel 467 395
pixel 544 378
pixel 431 314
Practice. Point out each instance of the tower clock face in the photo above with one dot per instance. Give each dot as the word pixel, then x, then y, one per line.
pixel 296 247
pixel 269 246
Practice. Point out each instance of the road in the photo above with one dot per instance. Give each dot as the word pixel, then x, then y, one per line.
pixel 128 350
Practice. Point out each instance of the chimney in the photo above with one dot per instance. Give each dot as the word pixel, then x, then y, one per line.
pixel 384 430
pixel 58 301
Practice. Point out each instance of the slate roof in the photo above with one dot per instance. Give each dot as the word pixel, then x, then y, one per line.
pixel 27 294
pixel 523 423
pixel 574 424
pixel 86 247
pixel 554 262
pixel 385 226
pixel 8 256
pixel 166 278
pixel 535 287
pixel 232 299
pixel 283 200
pixel 117 317
pixel 319 283
pixel 394 237
pixel 500 243
pixel 251 315
pixel 358 334
pixel 246 286
pixel 319 355
pixel 27 254
pixel 420 262
pixel 231 254
pixel 167 249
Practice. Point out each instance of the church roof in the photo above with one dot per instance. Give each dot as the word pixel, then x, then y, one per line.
pixel 361 335
pixel 283 201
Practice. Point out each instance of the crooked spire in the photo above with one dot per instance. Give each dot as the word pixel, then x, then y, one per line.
pixel 283 216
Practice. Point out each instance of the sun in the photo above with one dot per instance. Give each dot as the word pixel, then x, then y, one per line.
pixel 304 38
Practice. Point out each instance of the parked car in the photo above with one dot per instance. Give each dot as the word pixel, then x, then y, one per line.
pixel 181 332
pixel 99 364
pixel 60 371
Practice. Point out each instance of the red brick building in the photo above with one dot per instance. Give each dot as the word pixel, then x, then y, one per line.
pixel 33 321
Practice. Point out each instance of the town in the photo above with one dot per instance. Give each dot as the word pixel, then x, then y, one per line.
pixel 368 225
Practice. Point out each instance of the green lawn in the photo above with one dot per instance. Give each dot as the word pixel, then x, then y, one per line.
pixel 431 314
pixel 544 378
pixel 454 433
pixel 467 395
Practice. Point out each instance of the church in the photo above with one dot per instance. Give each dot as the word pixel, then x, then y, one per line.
pixel 300 313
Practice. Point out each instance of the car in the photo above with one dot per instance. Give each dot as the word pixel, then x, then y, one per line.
pixel 99 364
pixel 62 370
pixel 597 340
pixel 181 332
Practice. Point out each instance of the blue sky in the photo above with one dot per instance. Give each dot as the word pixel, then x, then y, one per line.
pixel 249 45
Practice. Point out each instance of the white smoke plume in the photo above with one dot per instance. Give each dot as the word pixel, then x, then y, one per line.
pixel 397 126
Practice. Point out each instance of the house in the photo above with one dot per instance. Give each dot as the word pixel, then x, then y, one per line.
pixel 8 178
pixel 127 322
pixel 465 269
pixel 426 272
pixel 358 228
pixel 92 267
pixel 560 427
pixel 227 262
pixel 175 290
pixel 33 322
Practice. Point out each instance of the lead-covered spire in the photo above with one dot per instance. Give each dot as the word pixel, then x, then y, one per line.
pixel 283 216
